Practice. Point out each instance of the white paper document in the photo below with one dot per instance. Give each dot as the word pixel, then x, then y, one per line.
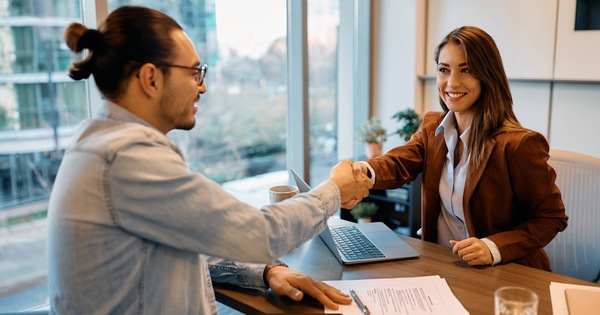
pixel 409 295
pixel 557 295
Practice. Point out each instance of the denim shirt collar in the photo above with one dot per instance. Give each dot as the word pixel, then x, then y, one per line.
pixel 112 111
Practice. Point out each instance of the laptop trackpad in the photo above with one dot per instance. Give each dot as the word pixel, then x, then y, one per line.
pixel 387 240
pixel 372 227
pixel 384 240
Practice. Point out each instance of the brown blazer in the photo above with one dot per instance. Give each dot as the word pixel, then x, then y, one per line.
pixel 511 198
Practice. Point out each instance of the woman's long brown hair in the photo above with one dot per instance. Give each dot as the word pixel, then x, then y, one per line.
pixel 494 108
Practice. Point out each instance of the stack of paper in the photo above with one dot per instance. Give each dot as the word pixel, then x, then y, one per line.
pixel 412 295
pixel 574 299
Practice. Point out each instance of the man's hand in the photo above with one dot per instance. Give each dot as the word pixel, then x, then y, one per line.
pixel 352 183
pixel 359 168
pixel 472 250
pixel 288 282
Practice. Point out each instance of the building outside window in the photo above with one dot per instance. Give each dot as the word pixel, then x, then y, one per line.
pixel 40 107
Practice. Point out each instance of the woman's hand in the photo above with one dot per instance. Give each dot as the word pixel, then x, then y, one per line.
pixel 472 250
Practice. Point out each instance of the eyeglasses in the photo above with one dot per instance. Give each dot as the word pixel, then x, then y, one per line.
pixel 201 70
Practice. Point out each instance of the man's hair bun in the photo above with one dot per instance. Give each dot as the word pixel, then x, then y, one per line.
pixel 78 37
pixel 91 40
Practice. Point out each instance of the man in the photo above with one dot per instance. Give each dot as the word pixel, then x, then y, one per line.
pixel 131 229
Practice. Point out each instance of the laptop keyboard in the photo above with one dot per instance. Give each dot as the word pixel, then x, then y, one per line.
pixel 353 244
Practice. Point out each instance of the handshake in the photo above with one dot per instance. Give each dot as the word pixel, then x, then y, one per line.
pixel 352 181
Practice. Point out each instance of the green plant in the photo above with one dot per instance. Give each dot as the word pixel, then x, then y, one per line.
pixel 409 121
pixel 372 132
pixel 364 209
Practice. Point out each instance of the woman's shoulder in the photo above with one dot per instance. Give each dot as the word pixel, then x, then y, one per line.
pixel 432 119
pixel 433 115
pixel 516 137
pixel 517 132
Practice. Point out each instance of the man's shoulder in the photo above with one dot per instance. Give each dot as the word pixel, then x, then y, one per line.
pixel 110 136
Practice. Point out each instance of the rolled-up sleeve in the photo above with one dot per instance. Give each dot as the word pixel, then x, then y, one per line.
pixel 245 275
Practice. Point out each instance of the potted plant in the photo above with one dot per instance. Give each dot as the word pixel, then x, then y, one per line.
pixel 409 121
pixel 374 135
pixel 364 211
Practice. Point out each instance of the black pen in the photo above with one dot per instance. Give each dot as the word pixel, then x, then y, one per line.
pixel 363 308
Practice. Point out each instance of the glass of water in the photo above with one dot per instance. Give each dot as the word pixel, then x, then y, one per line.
pixel 515 301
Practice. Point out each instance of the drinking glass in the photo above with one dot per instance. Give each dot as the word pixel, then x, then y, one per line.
pixel 515 301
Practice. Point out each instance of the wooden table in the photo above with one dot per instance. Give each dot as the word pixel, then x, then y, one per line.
pixel 473 286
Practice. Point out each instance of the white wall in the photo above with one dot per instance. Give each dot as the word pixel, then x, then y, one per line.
pixel 396 87
pixel 575 113
pixel 531 104
pixel 540 51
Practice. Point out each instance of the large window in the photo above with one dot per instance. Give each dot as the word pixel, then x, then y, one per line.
pixel 39 109
pixel 241 129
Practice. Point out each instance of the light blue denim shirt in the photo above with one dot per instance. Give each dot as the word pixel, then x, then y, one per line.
pixel 133 231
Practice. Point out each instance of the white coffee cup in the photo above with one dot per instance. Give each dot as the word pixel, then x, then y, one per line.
pixel 282 192
pixel 515 301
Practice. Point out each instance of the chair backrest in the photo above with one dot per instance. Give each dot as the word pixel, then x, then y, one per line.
pixel 575 252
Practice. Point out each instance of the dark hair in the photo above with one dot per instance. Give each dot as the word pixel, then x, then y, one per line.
pixel 494 108
pixel 129 37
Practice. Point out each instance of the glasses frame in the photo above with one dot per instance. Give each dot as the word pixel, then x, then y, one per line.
pixel 201 70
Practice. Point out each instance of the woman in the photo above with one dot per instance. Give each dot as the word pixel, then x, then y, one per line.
pixel 487 189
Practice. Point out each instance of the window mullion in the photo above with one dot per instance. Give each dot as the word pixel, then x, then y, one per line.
pixel 297 82
pixel 93 11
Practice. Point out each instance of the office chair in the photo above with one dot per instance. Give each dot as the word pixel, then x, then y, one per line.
pixel 575 252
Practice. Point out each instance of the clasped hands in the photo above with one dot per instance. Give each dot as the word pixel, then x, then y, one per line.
pixel 352 182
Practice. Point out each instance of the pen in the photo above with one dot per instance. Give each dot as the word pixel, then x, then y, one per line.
pixel 363 308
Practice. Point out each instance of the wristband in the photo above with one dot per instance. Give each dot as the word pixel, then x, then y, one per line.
pixel 268 267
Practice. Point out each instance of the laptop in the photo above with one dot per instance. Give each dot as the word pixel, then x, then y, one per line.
pixel 362 242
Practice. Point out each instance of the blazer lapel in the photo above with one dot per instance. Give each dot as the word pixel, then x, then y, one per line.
pixel 473 178
pixel 431 182
pixel 437 163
